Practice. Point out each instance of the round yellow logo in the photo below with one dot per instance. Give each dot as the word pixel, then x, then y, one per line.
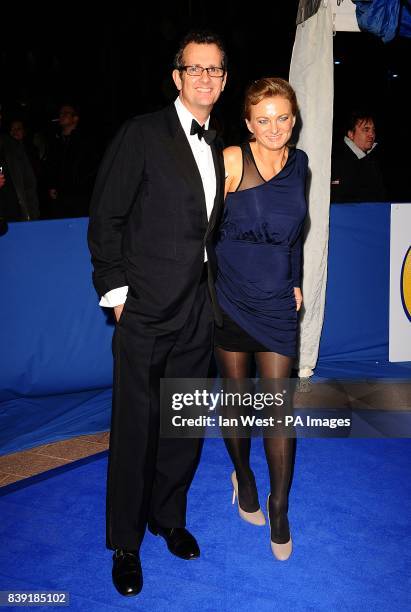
pixel 406 284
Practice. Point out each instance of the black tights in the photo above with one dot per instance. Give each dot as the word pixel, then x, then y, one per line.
pixel 279 451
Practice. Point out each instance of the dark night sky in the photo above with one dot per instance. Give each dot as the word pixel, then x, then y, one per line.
pixel 120 61
pixel 116 60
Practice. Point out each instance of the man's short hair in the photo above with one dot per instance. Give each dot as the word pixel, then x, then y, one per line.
pixel 200 37
pixel 358 116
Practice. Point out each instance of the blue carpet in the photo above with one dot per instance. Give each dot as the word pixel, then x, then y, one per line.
pixel 349 514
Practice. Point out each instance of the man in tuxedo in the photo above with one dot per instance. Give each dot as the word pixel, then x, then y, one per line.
pixel 156 205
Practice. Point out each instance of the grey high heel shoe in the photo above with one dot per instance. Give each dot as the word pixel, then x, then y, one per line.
pixel 255 518
pixel 280 551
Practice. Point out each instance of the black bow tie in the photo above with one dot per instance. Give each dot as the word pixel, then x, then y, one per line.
pixel 208 135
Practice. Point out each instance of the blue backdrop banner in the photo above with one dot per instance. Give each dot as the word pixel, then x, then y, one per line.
pixel 55 352
pixel 354 340
pixel 356 314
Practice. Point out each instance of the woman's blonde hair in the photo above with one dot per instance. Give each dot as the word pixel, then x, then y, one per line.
pixel 268 88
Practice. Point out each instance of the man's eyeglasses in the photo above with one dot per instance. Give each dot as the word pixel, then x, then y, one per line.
pixel 212 71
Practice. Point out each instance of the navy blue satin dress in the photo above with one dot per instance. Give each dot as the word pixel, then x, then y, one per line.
pixel 259 255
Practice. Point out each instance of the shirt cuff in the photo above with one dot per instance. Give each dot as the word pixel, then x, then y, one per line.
pixel 115 297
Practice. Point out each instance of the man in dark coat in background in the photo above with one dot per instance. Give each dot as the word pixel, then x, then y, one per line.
pixel 18 184
pixel 71 166
pixel 356 170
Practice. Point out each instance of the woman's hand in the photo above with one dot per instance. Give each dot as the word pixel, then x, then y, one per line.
pixel 298 298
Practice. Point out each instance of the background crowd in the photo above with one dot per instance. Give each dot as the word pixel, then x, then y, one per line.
pixel 69 82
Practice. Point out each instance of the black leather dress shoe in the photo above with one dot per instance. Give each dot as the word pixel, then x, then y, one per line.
pixel 180 542
pixel 127 573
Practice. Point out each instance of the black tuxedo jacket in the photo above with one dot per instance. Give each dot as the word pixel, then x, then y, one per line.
pixel 148 221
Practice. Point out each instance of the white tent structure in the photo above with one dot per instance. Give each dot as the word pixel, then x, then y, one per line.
pixel 311 74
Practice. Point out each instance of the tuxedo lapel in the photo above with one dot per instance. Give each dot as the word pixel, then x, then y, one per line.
pixel 184 157
pixel 188 168
pixel 218 201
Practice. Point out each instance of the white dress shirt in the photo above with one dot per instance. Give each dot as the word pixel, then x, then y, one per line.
pixel 204 160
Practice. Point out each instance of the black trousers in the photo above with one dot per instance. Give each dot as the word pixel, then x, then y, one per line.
pixel 149 476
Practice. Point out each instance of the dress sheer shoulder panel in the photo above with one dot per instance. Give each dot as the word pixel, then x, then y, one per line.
pixel 250 177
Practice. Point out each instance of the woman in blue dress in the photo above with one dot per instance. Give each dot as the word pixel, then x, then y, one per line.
pixel 258 283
